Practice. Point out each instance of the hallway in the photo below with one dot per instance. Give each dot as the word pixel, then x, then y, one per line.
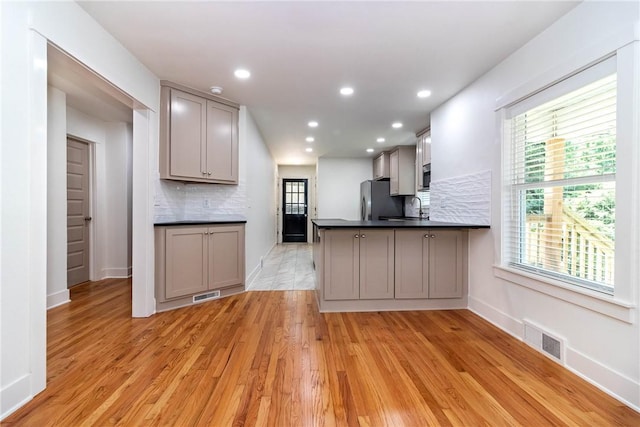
pixel 287 267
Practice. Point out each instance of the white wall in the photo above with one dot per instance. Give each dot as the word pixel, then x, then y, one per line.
pixel 292 171
pixel 339 186
pixel 57 292
pixel 260 177
pixel 26 27
pixel 466 139
pixel 117 196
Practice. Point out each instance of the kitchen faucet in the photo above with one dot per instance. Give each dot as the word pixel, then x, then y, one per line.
pixel 419 201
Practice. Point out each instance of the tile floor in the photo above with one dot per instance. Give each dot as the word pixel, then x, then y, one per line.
pixel 287 267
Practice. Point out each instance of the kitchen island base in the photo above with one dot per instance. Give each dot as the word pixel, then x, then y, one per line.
pixel 390 269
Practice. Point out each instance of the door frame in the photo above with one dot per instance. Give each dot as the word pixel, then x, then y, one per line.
pixel 307 203
pixel 310 176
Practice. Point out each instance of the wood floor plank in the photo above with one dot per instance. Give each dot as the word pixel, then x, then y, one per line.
pixel 271 359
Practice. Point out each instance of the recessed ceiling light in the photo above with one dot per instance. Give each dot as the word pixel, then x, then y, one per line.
pixel 241 73
pixel 369 150
pixel 309 139
pixel 313 124
pixel 346 91
pixel 216 90
pixel 308 150
pixel 380 140
pixel 424 94
pixel 396 125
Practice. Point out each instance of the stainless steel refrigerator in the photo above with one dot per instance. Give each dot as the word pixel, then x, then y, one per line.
pixel 375 201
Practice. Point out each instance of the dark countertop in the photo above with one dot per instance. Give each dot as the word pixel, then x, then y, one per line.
pixel 217 219
pixel 396 223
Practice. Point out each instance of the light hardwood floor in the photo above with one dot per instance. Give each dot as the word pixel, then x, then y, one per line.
pixel 269 358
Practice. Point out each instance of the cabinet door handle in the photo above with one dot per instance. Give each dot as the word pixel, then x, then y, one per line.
pixel 426 236
pixel 433 236
pixel 356 236
pixel 363 236
pixel 206 233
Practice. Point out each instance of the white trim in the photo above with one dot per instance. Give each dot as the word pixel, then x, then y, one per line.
pixel 508 324
pixel 57 299
pixel 254 273
pixel 15 395
pixel 93 204
pixel 145 137
pixel 37 220
pixel 601 376
pixel 594 301
pixel 116 273
pixel 584 58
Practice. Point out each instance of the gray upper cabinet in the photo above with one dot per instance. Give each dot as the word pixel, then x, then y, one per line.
pixel 402 170
pixel 381 166
pixel 423 157
pixel 425 142
pixel 198 136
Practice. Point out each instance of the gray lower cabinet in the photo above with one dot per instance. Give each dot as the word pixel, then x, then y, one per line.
pixel 196 259
pixel 429 264
pixel 358 264
pixel 186 260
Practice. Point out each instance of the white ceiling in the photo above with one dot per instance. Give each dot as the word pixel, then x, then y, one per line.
pixel 301 53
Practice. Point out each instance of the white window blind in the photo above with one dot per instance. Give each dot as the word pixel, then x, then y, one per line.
pixel 560 175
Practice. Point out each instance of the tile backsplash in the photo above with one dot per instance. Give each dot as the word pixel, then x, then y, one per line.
pixel 462 199
pixel 175 199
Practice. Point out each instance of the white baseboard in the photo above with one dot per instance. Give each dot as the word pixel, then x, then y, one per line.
pixel 256 270
pixel 58 298
pixel 116 273
pixel 606 379
pixel 15 395
pixel 510 325
pixel 615 384
pixel 252 276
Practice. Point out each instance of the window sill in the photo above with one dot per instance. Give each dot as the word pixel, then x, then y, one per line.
pixel 594 301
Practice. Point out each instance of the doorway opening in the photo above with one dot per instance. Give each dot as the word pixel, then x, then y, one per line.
pixel 294 209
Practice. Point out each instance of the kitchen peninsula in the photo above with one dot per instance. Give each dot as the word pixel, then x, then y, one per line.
pixel 399 264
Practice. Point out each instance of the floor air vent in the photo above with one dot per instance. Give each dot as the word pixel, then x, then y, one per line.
pixel 204 297
pixel 544 342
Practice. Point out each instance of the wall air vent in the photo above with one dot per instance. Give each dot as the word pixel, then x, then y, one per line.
pixel 544 342
pixel 207 296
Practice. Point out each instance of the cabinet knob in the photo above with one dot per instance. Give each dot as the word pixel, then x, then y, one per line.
pixel 433 236
pixel 206 233
pixel 426 236
pixel 356 236
pixel 208 173
pixel 363 236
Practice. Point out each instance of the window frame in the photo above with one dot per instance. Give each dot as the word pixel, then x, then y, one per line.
pixel 622 304
pixel 512 197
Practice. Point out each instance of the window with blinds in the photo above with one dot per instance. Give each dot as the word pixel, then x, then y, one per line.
pixel 560 174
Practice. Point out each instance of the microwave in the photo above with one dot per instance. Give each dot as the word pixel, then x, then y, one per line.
pixel 426 176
